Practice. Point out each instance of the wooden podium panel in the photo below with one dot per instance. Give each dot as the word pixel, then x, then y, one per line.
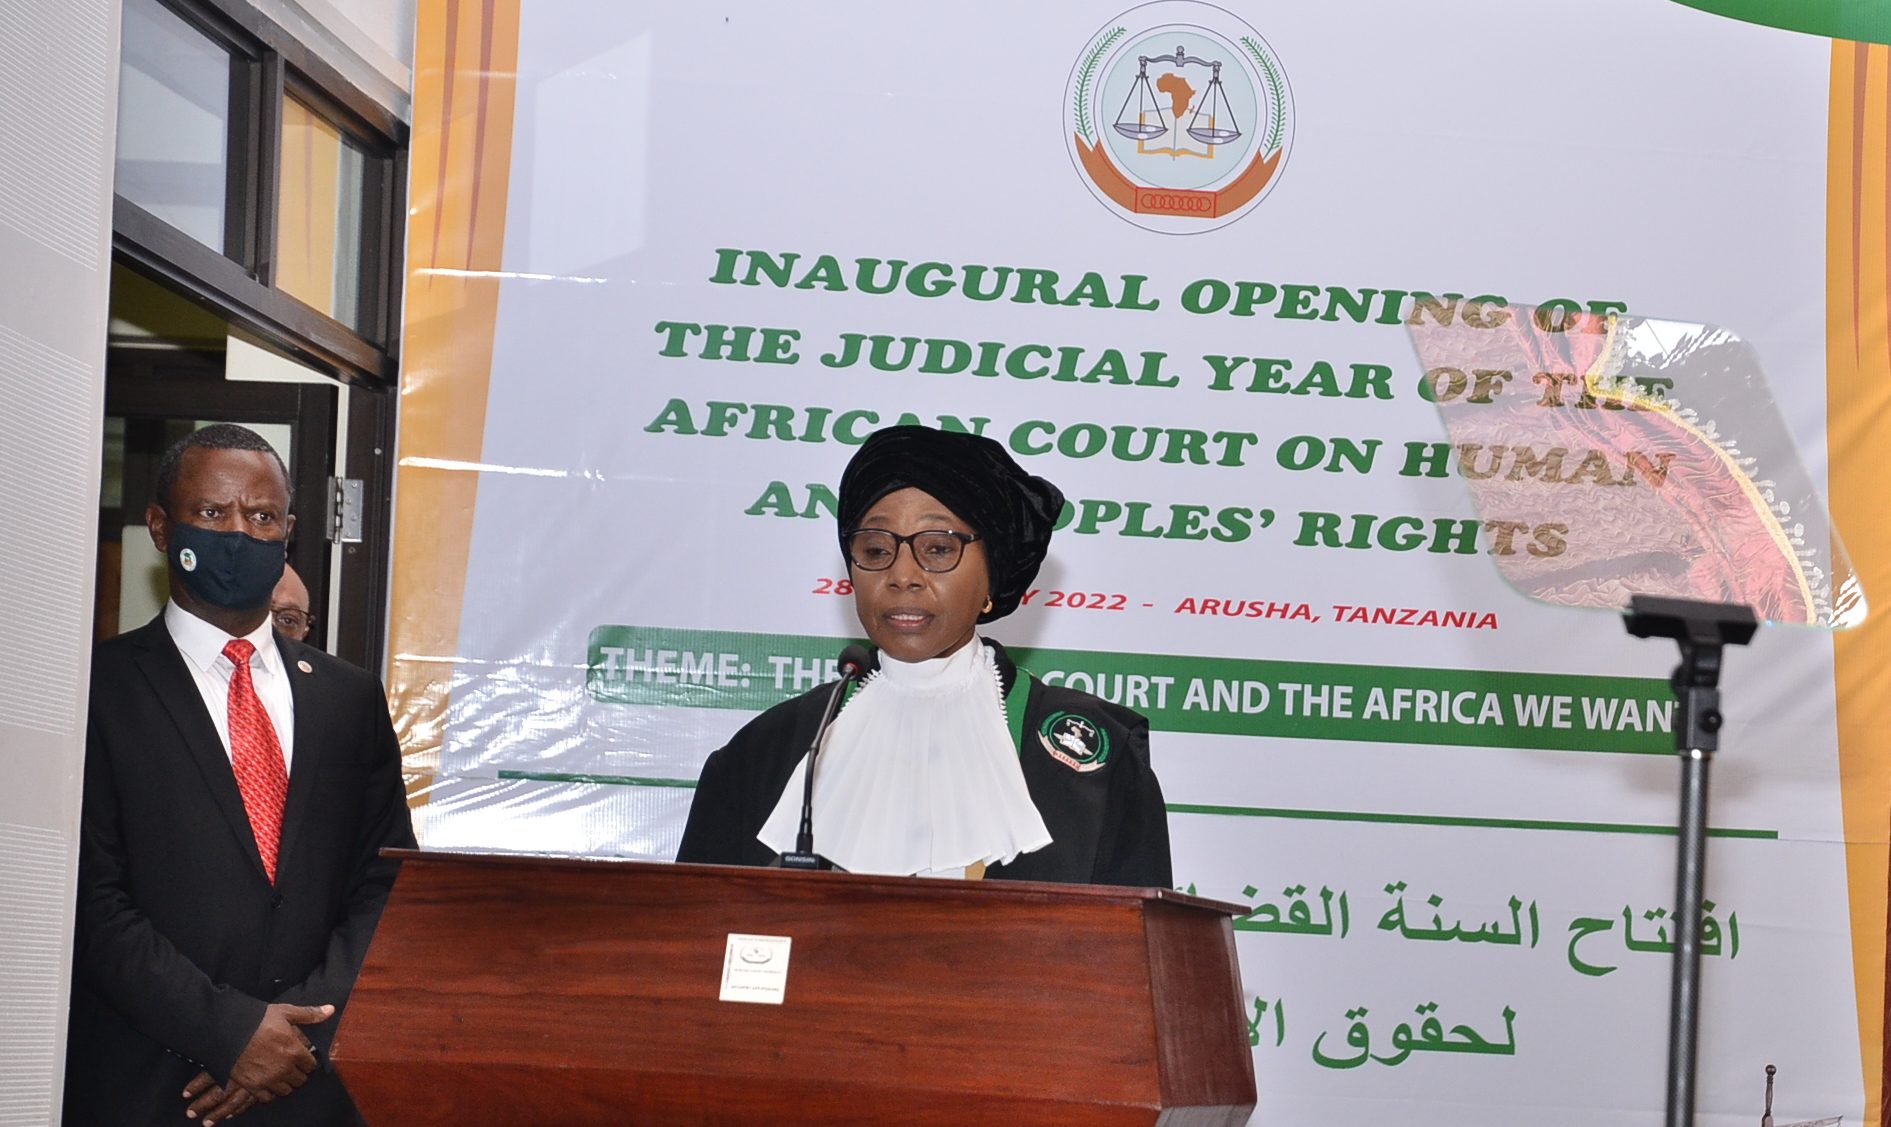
pixel 508 990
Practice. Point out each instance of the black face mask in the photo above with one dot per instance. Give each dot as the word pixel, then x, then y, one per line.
pixel 230 570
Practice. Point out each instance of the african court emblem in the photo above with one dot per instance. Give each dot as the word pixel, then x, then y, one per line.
pixel 1178 117
pixel 1074 741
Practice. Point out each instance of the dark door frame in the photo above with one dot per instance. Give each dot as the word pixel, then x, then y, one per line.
pixel 237 282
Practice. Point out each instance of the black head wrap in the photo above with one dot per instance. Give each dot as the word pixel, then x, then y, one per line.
pixel 1011 511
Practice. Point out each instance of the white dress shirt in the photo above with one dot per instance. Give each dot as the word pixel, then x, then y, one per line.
pixel 202 646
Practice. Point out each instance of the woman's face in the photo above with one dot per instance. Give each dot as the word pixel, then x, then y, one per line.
pixel 910 613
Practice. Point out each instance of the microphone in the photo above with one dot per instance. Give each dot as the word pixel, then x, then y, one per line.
pixel 854 662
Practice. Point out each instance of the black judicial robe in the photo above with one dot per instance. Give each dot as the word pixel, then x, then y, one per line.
pixel 1086 764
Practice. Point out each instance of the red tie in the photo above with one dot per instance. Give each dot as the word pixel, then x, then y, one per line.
pixel 256 755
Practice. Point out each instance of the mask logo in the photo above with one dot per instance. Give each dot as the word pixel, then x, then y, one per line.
pixel 1074 741
pixel 230 569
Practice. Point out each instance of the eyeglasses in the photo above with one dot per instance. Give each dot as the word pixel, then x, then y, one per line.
pixel 935 550
pixel 290 620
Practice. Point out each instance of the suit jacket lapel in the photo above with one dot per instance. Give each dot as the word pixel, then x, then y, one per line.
pixel 311 734
pixel 163 666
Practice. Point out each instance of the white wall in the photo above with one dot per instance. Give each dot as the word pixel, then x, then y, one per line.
pixel 58 101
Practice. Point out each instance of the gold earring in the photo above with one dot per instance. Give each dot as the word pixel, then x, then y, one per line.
pixel 987 609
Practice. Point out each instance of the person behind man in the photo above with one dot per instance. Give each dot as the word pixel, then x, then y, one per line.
pixel 238 789
pixel 289 605
pixel 949 760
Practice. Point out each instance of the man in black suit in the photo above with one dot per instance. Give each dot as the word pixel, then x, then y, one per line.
pixel 238 789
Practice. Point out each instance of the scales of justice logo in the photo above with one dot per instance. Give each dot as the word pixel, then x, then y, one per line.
pixel 1178 116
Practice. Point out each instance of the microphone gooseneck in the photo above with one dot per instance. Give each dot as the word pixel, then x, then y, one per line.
pixel 853 664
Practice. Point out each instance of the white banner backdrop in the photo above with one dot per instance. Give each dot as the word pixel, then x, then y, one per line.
pixel 740 237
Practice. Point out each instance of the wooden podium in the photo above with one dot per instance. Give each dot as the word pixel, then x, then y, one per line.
pixel 511 990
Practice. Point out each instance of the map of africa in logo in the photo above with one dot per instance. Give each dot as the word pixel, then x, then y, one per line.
pixel 1178 116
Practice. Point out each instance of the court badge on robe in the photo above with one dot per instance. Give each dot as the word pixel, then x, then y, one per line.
pixel 1074 741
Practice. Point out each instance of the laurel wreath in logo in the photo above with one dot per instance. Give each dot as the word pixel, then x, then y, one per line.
pixel 1075 741
pixel 1086 71
pixel 1276 98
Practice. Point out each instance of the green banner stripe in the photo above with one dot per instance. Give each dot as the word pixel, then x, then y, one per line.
pixel 1449 820
pixel 1260 811
pixel 666 668
pixel 1865 21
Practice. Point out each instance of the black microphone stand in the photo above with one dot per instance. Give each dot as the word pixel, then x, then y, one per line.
pixel 853 662
pixel 1702 630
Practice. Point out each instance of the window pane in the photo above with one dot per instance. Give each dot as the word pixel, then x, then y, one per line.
pixel 173 121
pixel 319 224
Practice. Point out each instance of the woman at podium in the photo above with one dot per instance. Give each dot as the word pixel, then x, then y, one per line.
pixel 947 760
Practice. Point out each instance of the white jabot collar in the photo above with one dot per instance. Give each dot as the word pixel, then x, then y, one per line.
pixel 918 774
